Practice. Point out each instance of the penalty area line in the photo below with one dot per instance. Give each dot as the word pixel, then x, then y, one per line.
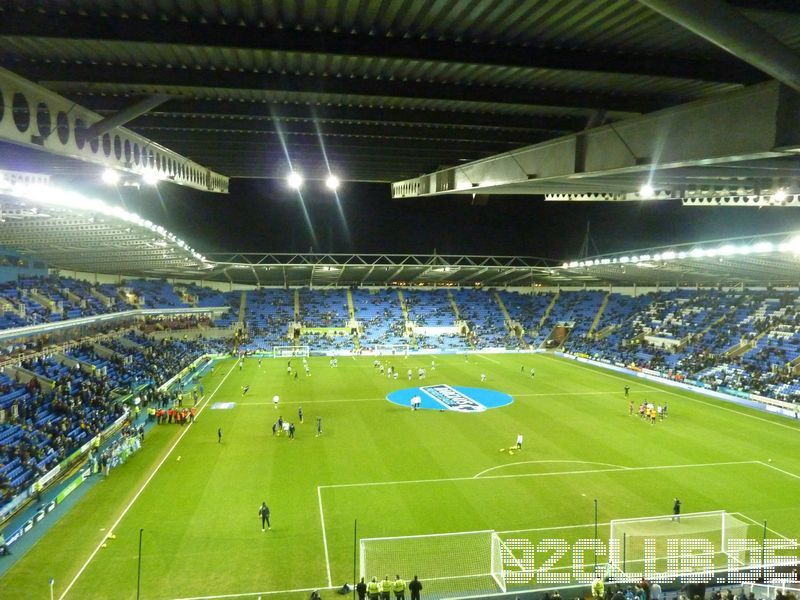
pixel 324 536
pixel 536 475
pixel 533 462
pixel 142 487
pixel 245 594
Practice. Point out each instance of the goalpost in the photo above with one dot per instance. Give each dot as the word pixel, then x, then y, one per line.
pixel 451 564
pixel 391 349
pixel 290 351
pixel 649 539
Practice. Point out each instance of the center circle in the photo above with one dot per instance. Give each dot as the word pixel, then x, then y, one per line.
pixel 453 398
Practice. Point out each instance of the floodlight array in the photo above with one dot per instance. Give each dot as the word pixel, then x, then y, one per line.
pixel 71 200
pixel 791 246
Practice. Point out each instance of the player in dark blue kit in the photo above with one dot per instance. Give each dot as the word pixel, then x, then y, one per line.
pixel 245 389
pixel 263 512
pixel 300 413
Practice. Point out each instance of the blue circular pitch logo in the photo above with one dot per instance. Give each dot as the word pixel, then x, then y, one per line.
pixel 446 397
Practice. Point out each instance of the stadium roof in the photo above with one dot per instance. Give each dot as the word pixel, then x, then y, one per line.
pixel 72 232
pixel 390 89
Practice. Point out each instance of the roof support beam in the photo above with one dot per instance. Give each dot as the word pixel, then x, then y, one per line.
pixel 41 119
pixel 381 47
pixel 724 26
pixel 694 134
pixel 361 113
pixel 126 115
pixel 166 78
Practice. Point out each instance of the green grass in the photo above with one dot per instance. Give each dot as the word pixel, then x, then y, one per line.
pixel 402 473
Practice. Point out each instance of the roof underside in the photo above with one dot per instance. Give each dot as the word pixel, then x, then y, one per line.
pixel 390 89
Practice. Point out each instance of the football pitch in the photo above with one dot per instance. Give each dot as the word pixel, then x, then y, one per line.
pixel 399 472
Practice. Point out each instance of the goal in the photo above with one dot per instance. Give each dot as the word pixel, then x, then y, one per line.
pixel 391 349
pixel 452 564
pixel 644 543
pixel 289 351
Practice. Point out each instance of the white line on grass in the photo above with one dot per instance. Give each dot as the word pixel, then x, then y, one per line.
pixel 582 472
pixel 531 462
pixel 282 402
pixel 243 594
pixel 552 528
pixel 754 522
pixel 324 536
pixel 141 488
pixel 383 398
pixel 497 362
pixel 769 466
pixel 601 371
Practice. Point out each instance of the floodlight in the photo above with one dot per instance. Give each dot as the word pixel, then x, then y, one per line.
pixel 332 182
pixel 150 177
pixel 646 191
pixel 779 195
pixel 110 177
pixel 295 180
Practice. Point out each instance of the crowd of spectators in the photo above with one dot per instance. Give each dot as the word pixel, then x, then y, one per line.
pixel 61 407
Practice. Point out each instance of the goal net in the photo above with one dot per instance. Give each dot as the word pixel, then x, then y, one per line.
pixel 284 351
pixel 648 543
pixel 391 349
pixel 451 564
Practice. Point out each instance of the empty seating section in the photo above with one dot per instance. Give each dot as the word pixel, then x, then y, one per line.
pixel 323 308
pixel 115 294
pixel 155 294
pixel 434 309
pixel 485 319
pixel 430 308
pixel 380 316
pixel 269 314
pixel 579 308
pixel 527 310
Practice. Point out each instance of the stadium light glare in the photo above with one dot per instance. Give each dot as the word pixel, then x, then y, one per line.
pixel 668 255
pixel 779 195
pixel 332 182
pixel 295 180
pixel 793 245
pixel 647 191
pixel 762 247
pixel 151 177
pixel 110 177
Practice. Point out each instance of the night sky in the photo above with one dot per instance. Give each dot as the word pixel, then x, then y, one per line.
pixel 266 216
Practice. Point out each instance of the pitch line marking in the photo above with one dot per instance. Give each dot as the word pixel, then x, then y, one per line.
pixel 142 487
pixel 555 473
pixel 242 594
pixel 497 362
pixel 769 466
pixel 324 536
pixel 530 462
pixel 376 398
pixel 754 522
pixel 602 371
pixel 552 528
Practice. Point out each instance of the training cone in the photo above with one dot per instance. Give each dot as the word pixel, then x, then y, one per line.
pixel 511 453
pixel 105 545
pixel 502 449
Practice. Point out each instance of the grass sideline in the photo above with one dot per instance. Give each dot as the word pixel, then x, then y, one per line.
pixel 400 473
